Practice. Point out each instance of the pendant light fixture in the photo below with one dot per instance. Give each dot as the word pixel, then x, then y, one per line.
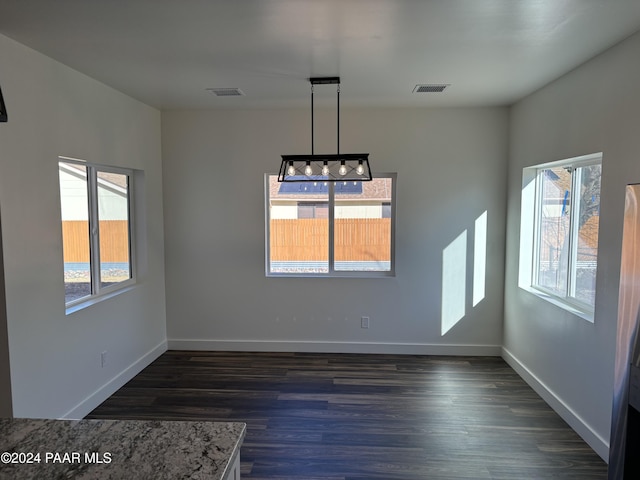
pixel 338 167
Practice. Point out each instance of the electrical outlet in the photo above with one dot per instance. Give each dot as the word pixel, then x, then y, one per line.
pixel 364 322
pixel 103 359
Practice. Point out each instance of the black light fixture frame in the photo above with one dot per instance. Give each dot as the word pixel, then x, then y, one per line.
pixel 338 167
pixel 3 109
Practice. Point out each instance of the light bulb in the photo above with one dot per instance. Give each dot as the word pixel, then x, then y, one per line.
pixel 291 170
pixel 360 169
pixel 325 170
pixel 342 170
pixel 308 171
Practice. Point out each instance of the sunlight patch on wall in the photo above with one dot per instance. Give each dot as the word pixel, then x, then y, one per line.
pixel 454 273
pixel 479 258
pixel 527 224
pixel 455 284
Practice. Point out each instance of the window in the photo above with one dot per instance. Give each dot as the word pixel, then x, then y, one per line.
pixel 330 228
pixel 313 210
pixel 566 213
pixel 96 229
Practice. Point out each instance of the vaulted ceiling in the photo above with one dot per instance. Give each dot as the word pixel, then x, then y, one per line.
pixel 167 53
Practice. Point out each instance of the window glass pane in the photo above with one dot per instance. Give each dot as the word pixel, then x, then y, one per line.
pixel 305 210
pixel 555 221
pixel 75 230
pixel 113 215
pixel 298 245
pixel 313 210
pixel 386 210
pixel 362 232
pixel 587 237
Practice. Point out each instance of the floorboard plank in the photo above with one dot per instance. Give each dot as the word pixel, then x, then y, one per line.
pixel 364 417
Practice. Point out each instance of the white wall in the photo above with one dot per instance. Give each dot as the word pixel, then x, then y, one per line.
pixel 55 358
pixel 569 360
pixel 451 166
pixel 6 409
pixel 358 211
pixel 341 211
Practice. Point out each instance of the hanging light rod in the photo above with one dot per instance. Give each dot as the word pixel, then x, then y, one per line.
pixel 352 167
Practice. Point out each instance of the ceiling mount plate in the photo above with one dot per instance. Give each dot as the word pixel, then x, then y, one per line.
pixel 324 80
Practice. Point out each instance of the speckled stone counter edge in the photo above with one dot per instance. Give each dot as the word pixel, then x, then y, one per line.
pixel 115 449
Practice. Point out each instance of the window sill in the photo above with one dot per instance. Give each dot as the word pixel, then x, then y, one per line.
pixel 95 299
pixel 574 309
pixel 332 275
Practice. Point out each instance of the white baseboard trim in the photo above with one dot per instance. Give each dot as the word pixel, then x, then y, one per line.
pixel 333 347
pixel 100 395
pixel 599 444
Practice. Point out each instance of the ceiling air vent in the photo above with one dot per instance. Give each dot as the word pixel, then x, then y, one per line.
pixel 226 92
pixel 430 88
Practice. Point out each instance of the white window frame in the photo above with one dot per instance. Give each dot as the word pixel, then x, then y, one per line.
pixel 531 217
pixel 332 272
pixel 98 292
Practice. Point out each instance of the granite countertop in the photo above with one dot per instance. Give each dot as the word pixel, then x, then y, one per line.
pixel 117 449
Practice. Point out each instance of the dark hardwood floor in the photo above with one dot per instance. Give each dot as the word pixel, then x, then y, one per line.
pixel 364 417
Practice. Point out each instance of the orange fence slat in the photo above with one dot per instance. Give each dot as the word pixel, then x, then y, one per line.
pixel 114 241
pixel 306 239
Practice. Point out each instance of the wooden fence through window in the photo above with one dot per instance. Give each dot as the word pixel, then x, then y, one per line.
pixel 306 239
pixel 356 239
pixel 114 241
